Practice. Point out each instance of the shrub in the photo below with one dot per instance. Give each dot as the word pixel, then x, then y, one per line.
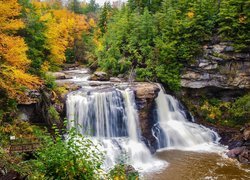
pixel 77 157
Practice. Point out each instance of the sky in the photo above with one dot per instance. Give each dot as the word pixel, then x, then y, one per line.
pixel 101 2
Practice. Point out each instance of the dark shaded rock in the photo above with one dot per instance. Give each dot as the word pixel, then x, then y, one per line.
pixel 244 156
pixel 145 94
pixel 233 153
pixel 99 76
pixel 241 153
pixel 11 175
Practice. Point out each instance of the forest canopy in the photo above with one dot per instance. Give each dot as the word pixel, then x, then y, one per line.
pixel 153 39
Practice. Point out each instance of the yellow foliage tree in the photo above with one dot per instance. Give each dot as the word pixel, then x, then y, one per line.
pixel 13 59
pixel 63 28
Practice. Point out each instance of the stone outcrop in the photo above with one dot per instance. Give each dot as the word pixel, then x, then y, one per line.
pixel 219 67
pixel 59 75
pixel 145 94
pixel 99 76
pixel 30 97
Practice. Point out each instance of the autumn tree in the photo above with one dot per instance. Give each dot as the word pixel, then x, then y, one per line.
pixel 13 58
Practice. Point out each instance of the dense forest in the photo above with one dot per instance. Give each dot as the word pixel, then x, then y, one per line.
pixel 155 40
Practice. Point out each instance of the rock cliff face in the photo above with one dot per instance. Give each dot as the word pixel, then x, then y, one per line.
pixel 223 74
pixel 219 67
pixel 145 94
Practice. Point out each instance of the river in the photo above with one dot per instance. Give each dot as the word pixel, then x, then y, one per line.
pixel 111 111
pixel 187 165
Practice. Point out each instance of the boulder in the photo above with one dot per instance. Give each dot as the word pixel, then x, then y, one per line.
pixel 242 152
pixel 146 91
pixel 115 79
pixel 244 156
pixel 99 76
pixel 59 75
pixel 233 153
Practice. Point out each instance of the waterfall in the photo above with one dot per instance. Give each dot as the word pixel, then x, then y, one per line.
pixel 107 113
pixel 111 118
pixel 174 131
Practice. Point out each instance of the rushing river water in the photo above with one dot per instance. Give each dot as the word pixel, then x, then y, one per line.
pixel 110 112
pixel 186 165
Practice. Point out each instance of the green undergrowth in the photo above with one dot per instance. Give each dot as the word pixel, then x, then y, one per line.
pixel 234 113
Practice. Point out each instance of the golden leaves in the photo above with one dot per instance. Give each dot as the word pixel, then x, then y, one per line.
pixel 242 19
pixel 9 10
pixel 13 58
pixel 13 51
pixel 15 81
pixel 190 14
pixel 63 27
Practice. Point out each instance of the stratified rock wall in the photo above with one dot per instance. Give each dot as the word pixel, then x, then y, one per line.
pixel 219 67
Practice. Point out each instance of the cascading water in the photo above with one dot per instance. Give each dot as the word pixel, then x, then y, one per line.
pixel 174 131
pixel 111 118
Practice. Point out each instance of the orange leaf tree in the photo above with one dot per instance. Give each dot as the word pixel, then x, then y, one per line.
pixel 13 59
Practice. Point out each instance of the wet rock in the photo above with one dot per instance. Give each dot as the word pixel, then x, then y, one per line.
pixel 114 79
pixel 233 153
pixel 130 171
pixel 59 75
pixel 244 156
pixel 145 94
pixel 99 76
pixel 241 153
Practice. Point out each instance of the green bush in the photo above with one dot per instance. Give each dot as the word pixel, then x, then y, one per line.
pixel 124 171
pixel 77 157
pixel 227 113
pixel 240 110
pixel 53 114
pixel 50 81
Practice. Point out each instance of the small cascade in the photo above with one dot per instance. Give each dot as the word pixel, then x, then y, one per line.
pixel 111 118
pixel 173 129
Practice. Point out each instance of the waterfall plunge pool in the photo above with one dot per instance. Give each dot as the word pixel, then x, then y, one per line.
pixel 190 165
pixel 112 117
